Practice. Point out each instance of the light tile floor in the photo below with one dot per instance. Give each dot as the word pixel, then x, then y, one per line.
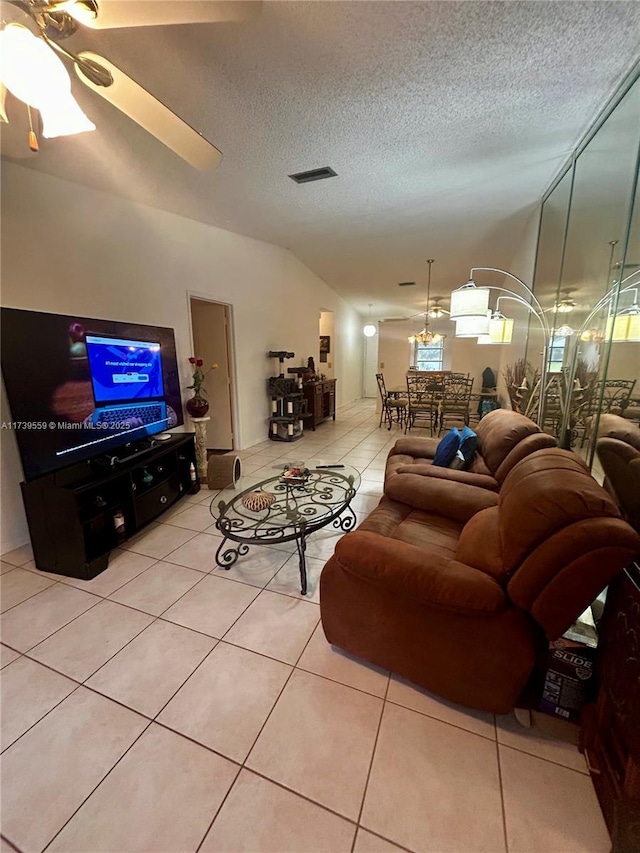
pixel 169 705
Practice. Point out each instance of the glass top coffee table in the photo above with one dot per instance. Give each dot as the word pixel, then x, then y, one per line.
pixel 296 509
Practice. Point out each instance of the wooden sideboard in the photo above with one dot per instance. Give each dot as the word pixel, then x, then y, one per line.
pixel 321 400
pixel 610 736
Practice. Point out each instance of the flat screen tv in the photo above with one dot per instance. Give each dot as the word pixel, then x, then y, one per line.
pixel 79 387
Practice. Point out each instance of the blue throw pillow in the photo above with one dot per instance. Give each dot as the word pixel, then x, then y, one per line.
pixel 447 449
pixel 468 445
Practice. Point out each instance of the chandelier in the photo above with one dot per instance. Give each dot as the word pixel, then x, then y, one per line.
pixel 426 336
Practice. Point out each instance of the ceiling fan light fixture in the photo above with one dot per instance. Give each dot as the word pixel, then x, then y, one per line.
pixel 64 118
pixel 436 312
pixel 32 72
pixel 83 11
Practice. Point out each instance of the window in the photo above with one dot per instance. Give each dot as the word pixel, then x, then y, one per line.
pixel 556 354
pixel 428 356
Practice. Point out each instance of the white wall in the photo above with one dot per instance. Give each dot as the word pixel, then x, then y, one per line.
pixel 67 248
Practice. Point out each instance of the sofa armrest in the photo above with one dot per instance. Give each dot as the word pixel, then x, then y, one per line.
pixel 418 448
pixel 418 574
pixel 484 481
pixel 458 501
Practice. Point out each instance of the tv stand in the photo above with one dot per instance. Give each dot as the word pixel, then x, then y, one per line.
pixel 127 453
pixel 78 515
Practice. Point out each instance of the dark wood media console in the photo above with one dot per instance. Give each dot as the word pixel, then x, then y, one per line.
pixel 72 513
pixel 321 400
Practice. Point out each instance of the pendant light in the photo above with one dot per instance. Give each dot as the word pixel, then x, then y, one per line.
pixel 469 301
pixel 426 336
pixel 473 326
pixel 369 330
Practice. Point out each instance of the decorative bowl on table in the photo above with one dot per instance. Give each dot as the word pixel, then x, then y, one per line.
pixel 296 475
pixel 257 500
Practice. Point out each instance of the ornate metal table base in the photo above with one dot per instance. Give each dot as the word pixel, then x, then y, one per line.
pixel 297 511
pixel 227 558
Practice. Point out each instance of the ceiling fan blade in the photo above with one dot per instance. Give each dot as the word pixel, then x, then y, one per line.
pixel 150 13
pixel 134 101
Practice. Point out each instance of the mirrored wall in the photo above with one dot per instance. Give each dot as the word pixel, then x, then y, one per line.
pixel 587 279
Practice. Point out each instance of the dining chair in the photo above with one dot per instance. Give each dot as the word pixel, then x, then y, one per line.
pixel 456 398
pixel 609 396
pixel 424 394
pixel 391 405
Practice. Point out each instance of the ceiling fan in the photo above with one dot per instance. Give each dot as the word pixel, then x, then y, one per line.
pixel 30 67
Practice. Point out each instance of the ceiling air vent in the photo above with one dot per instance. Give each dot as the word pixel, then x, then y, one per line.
pixel 406 284
pixel 314 175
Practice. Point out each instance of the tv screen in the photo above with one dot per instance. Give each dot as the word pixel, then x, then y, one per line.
pixel 79 387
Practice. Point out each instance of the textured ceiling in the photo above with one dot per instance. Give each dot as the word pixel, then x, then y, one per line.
pixel 445 122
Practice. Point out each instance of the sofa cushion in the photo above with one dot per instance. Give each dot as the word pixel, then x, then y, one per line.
pixel 385 518
pixel 416 448
pixel 613 426
pixel 480 546
pixel 429 530
pixel 528 445
pixel 447 449
pixel 394 462
pixel 457 501
pixel 547 491
pixel 426 468
pixel 479 466
pixel 419 575
pixel 499 432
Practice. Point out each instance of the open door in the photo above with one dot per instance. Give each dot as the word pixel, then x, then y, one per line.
pixel 210 329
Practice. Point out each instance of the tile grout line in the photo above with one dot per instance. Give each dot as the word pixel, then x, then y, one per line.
pixel 440 720
pixel 502 803
pixel 95 788
pixel 255 740
pixel 584 773
pixel 46 714
pixel 48 636
pixel 29 597
pixel 10 844
pixel 371 760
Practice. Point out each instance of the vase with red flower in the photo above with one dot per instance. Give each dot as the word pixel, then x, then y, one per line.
pixel 198 405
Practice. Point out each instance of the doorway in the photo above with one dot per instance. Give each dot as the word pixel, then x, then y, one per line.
pixel 211 336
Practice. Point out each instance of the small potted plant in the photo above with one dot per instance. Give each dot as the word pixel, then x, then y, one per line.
pixel 198 405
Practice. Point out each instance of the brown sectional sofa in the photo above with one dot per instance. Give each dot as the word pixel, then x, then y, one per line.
pixel 461 593
pixel 504 438
pixel 618 449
